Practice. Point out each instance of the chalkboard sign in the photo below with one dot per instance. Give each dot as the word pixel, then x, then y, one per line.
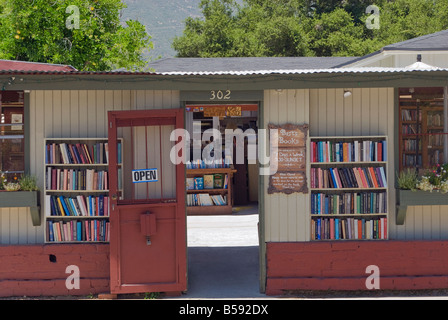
pixel 288 155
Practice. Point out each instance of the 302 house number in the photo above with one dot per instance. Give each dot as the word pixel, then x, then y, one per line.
pixel 220 95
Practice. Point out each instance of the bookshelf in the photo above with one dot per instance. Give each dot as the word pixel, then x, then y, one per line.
pixel 421 138
pixel 349 190
pixel 209 191
pixel 77 189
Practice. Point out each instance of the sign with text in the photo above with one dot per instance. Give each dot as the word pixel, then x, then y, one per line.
pixel 288 151
pixel 144 175
pixel 288 182
pixel 289 135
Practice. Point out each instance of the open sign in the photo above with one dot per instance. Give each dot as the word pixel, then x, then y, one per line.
pixel 144 175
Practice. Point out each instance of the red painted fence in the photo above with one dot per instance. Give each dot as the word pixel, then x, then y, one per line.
pixel 403 265
pixel 40 270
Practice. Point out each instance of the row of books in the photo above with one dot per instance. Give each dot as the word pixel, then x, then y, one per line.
pixel 411 145
pixel 410 129
pixel 435 119
pixel 76 179
pixel 209 164
pixel 205 199
pixel 356 177
pixel 349 203
pixel 207 181
pixel 79 153
pixel 412 160
pixel 348 151
pixel 78 206
pixel 348 229
pixel 78 230
pixel 410 115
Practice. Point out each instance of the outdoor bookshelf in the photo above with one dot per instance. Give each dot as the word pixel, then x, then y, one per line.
pixel 207 196
pixel 349 188
pixel 77 189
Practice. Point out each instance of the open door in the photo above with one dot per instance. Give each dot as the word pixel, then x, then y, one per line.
pixel 147 199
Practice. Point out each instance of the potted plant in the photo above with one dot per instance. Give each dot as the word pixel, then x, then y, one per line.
pixel 428 189
pixel 21 192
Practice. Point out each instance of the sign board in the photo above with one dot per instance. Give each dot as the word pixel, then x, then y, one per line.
pixel 288 182
pixel 288 148
pixel 289 135
pixel 144 175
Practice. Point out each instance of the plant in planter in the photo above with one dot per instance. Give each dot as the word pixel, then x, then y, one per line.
pixel 436 179
pixel 21 192
pixel 407 180
pixel 413 190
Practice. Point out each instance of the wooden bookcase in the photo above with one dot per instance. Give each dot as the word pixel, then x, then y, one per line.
pixel 225 192
pixel 76 190
pixel 349 190
pixel 421 141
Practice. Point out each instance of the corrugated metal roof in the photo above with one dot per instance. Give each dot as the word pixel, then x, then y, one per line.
pixel 16 66
pixel 301 71
pixel 351 70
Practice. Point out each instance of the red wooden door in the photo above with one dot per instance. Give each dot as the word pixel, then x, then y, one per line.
pixel 148 222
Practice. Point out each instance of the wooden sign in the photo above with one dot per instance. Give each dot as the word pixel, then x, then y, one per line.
pixel 288 182
pixel 288 149
pixel 289 135
pixel 289 159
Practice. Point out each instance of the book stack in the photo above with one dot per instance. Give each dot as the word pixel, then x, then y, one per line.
pixel 205 199
pixel 349 203
pixel 78 230
pixel 348 151
pixel 76 179
pixel 87 206
pixel 349 229
pixel 356 177
pixel 212 164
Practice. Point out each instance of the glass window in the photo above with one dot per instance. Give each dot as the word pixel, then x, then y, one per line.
pixel 12 157
pixel 421 128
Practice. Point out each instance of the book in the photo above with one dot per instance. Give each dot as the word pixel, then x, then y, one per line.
pixel 218 181
pixel 208 181
pixel 199 183
pixel 190 183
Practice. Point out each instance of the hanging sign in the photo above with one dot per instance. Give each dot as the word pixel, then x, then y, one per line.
pixel 144 175
pixel 288 153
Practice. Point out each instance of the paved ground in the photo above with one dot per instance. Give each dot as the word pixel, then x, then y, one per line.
pixel 223 255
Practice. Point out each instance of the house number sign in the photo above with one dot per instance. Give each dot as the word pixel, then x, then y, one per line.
pixel 220 95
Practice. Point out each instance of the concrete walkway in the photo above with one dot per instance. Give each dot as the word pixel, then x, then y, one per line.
pixel 223 255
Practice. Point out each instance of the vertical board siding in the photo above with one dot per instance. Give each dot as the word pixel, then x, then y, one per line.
pixel 70 114
pixel 286 216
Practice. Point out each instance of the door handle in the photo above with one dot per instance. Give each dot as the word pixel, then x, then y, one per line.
pixel 114 197
pixel 148 225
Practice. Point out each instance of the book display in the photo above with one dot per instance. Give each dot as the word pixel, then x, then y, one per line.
pixel 421 127
pixel 77 189
pixel 349 188
pixel 209 191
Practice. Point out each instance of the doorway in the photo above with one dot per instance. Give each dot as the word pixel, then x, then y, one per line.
pixel 222 201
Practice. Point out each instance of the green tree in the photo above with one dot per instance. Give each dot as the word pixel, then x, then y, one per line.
pixel 305 27
pixel 86 34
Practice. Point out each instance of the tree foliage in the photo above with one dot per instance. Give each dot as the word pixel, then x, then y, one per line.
pixel 231 28
pixel 48 31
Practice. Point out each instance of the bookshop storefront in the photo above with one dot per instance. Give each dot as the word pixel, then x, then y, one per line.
pixel 328 149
